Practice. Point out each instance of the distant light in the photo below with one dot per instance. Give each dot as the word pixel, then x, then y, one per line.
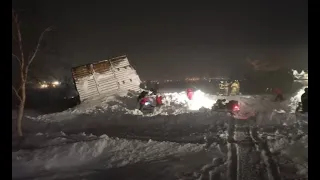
pixel 44 86
pixel 55 83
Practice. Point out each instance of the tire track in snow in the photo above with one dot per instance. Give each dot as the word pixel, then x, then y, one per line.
pixel 248 154
pixel 232 153
pixel 272 168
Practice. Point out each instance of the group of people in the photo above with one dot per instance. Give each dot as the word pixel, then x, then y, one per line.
pixel 225 86
pixel 232 88
pixel 144 95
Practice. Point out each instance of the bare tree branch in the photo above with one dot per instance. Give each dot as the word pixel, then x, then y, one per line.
pixel 37 47
pixel 17 58
pixel 17 93
pixel 14 15
pixel 22 60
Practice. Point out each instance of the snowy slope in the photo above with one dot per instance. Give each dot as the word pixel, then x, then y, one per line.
pixel 118 115
pixel 181 132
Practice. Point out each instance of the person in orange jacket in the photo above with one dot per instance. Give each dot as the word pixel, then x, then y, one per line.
pixel 279 95
pixel 190 93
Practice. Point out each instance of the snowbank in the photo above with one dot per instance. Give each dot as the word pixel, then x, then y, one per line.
pixel 300 76
pixel 94 152
pixel 292 150
pixel 174 104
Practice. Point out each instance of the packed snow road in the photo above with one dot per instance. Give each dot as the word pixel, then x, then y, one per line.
pixel 180 140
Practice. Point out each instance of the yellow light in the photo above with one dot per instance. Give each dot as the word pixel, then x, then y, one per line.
pixel 55 83
pixel 43 86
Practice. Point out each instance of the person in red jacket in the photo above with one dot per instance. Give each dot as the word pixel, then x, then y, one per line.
pixel 279 95
pixel 159 100
pixel 190 93
pixel 142 102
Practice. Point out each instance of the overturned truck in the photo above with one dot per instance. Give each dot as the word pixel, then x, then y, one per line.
pixel 106 77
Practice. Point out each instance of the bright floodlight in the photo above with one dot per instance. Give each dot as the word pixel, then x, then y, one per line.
pixel 200 100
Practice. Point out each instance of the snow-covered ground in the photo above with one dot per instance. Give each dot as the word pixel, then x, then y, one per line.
pixel 107 138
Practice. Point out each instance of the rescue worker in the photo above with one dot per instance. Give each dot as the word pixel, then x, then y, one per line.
pixel 142 95
pixel 190 93
pixel 304 100
pixel 221 88
pixel 142 102
pixel 238 87
pixel 226 88
pixel 159 100
pixel 235 86
pixel 279 95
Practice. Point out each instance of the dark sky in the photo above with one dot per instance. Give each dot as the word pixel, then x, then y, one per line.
pixel 172 40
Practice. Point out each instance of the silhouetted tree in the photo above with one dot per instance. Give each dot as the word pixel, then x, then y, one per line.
pixel 24 64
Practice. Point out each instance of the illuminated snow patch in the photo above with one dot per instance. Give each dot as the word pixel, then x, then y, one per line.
pixel 200 100
pixel 175 98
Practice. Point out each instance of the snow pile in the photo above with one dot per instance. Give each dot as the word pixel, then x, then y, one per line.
pixel 89 106
pixel 114 107
pixel 199 100
pixel 300 76
pixel 175 98
pixel 174 104
pixel 291 151
pixel 95 152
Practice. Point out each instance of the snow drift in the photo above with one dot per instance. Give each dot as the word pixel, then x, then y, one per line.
pixel 174 104
pixel 94 152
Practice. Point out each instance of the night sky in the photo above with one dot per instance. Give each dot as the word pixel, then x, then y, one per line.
pixel 170 40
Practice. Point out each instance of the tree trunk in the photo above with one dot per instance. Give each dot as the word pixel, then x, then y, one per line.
pixel 21 109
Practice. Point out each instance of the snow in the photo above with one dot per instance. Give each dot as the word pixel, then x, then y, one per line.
pixel 302 75
pixel 107 76
pixel 174 104
pixel 178 138
pixel 92 150
pixel 295 99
